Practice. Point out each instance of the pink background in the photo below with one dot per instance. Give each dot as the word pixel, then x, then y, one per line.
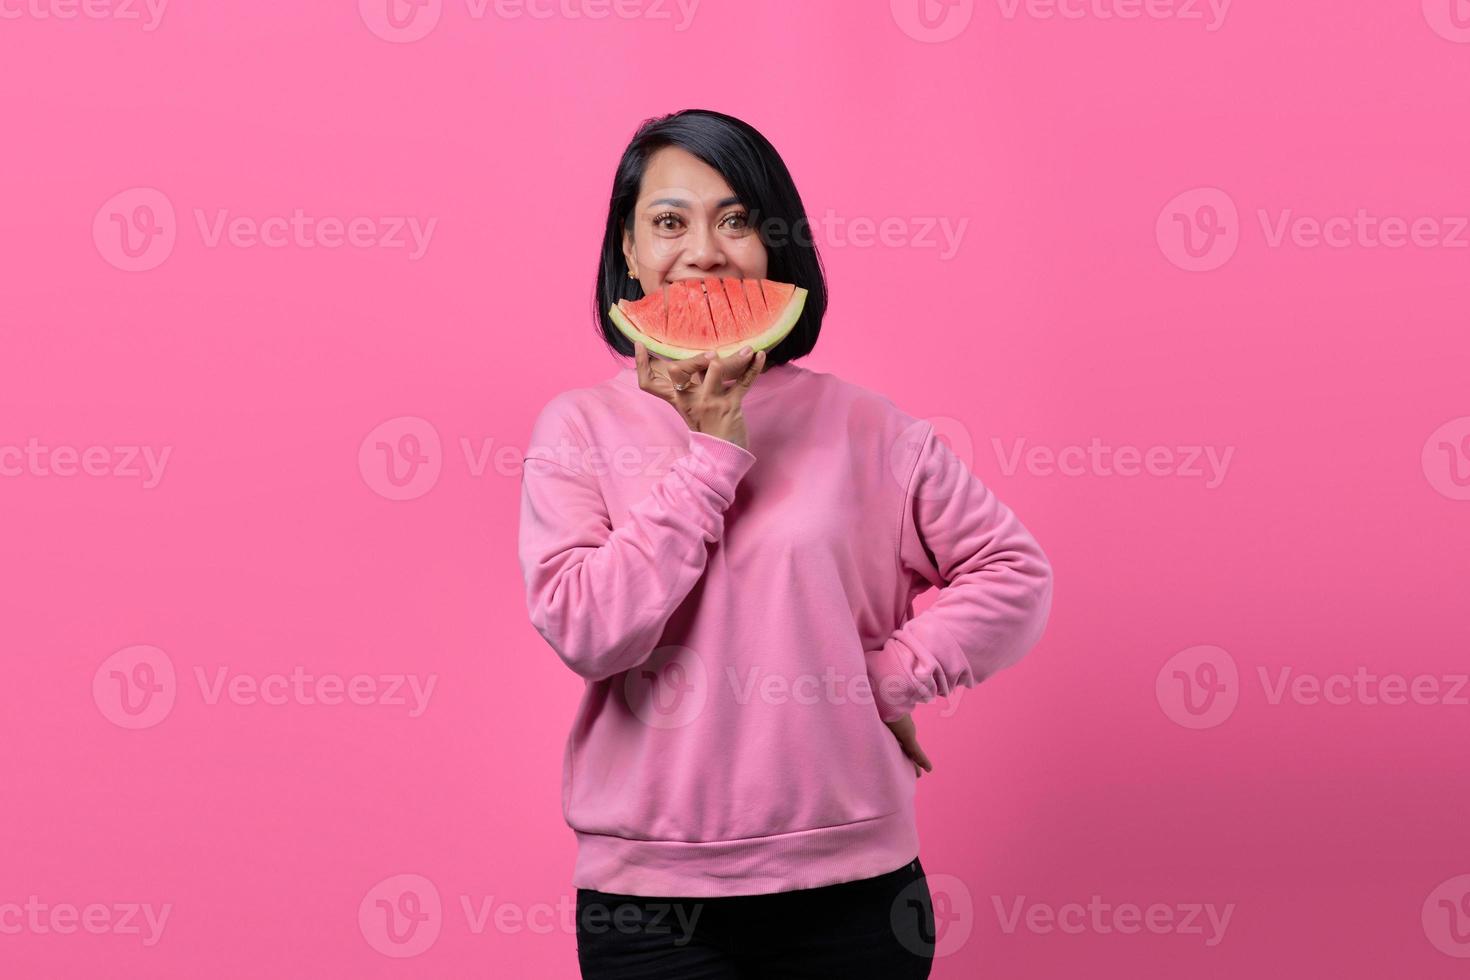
pixel 1077 149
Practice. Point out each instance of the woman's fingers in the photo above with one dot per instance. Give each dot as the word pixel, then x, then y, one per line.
pixel 656 375
pixel 920 756
pixel 723 367
pixel 704 374
pixel 756 363
pixel 682 372
pixel 907 733
pixel 640 357
pixel 911 746
pixel 652 371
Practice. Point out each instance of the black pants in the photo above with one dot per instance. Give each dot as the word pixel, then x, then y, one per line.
pixel 880 927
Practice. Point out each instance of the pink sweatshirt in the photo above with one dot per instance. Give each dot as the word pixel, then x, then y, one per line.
pixel 744 625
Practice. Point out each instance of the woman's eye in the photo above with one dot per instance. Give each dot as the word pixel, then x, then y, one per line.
pixel 669 221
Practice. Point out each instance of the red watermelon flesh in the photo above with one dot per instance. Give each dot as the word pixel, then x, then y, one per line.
pixel 704 320
pixel 755 298
pixel 688 320
pixel 719 308
pixel 777 294
pixel 650 313
pixel 745 324
pixel 711 314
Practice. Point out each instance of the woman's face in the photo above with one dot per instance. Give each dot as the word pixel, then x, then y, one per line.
pixel 687 224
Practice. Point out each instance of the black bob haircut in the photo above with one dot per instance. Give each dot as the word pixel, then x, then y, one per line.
pixel 758 176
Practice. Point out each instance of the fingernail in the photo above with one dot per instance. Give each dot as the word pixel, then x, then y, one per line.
pixel 745 349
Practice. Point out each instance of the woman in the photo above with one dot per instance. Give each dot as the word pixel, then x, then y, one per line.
pixel 727 550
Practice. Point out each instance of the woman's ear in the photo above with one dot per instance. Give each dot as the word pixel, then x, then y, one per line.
pixel 628 253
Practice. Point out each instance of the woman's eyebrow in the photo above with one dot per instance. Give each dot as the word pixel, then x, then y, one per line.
pixel 676 202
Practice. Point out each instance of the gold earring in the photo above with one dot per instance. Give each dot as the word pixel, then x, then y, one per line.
pixel 630 274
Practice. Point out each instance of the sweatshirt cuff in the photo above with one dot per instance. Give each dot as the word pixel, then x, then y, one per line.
pixel 718 462
pixel 894 691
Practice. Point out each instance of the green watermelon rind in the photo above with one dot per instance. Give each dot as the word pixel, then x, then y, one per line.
pixel 765 340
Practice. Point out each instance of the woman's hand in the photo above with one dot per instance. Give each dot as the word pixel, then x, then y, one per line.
pixel 707 403
pixel 903 729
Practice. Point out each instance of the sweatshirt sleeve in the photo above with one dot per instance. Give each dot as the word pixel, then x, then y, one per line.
pixel 601 596
pixel 996 586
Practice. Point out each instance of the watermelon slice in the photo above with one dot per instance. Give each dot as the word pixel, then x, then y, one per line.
pixel 691 316
pixel 719 308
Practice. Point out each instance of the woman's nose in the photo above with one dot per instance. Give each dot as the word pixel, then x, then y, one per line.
pixel 704 249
